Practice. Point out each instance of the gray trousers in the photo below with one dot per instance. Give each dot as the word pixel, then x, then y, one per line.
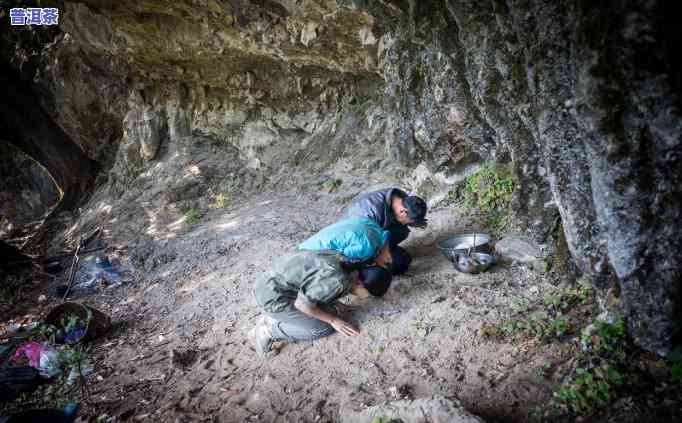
pixel 294 325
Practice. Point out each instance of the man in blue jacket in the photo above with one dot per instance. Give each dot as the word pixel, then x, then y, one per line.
pixel 393 210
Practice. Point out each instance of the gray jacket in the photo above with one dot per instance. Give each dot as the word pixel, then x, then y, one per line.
pixel 376 205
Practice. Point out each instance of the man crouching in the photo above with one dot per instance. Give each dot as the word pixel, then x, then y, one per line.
pixel 297 297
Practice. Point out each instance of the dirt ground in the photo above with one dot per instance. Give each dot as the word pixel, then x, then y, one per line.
pixel 178 350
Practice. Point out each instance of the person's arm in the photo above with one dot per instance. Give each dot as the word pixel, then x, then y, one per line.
pixel 366 206
pixel 337 323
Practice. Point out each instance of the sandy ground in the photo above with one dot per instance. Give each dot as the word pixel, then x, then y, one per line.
pixel 179 350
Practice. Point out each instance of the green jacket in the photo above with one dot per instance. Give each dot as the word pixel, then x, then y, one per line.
pixel 316 277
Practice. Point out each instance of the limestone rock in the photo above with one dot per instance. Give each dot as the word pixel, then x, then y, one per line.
pixel 146 125
pixel 518 248
pixel 308 33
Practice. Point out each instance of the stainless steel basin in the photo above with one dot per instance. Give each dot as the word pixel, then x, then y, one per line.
pixel 458 244
pixel 473 263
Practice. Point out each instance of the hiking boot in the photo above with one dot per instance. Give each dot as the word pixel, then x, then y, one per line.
pixel 261 337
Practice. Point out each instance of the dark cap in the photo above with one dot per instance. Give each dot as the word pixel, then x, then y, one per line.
pixel 416 208
pixel 376 280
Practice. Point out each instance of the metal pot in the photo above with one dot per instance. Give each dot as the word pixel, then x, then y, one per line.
pixel 465 243
pixel 473 263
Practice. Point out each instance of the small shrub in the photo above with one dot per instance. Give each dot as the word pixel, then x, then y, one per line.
pixel 45 332
pixel 332 184
pixel 77 359
pixel 192 216
pixel 553 301
pixel 589 390
pixel 612 332
pixel 579 294
pixel 513 326
pixel 595 384
pixel 559 326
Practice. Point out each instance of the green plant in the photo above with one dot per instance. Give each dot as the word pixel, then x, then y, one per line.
pixel 422 328
pixel 552 301
pixel 332 184
pixel 520 304
pixel 602 337
pixel 192 216
pixel 579 294
pixel 536 414
pixel 559 326
pixel 545 327
pixel 489 190
pixel 589 389
pixel 513 326
pixel 77 359
pixel 385 420
pixel 595 384
pixel 498 220
pixel 612 332
pixel 45 332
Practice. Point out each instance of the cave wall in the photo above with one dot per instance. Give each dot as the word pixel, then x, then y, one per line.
pixel 27 190
pixel 582 99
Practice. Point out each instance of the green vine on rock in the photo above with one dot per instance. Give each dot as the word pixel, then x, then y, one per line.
pixel 489 192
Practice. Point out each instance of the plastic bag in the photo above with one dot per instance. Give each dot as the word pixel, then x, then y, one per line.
pixel 98 270
pixel 40 356
pixel 31 350
pixel 49 364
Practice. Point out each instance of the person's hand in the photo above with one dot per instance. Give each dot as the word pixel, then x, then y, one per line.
pixel 344 327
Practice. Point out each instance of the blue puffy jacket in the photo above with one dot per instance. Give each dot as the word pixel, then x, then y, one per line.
pixel 357 238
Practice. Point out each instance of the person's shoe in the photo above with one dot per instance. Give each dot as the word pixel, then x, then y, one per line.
pixel 261 337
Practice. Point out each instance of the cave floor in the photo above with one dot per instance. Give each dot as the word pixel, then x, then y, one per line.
pixel 178 350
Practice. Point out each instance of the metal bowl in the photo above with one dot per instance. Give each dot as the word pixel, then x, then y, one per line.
pixel 473 263
pixel 461 244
